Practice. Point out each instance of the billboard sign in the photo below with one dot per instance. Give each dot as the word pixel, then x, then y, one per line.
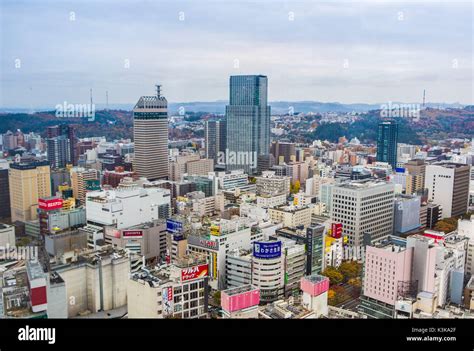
pixel 194 272
pixel 50 204
pixel 173 226
pixel 267 249
pixel 92 184
pixel 336 230
pixel 202 242
pixel 132 233
pixel 167 295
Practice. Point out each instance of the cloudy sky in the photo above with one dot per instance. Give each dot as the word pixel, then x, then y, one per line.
pixel 346 51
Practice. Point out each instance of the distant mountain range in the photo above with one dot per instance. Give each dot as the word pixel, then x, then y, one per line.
pixel 278 107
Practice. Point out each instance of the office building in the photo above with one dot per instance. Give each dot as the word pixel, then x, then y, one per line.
pixel 363 207
pixel 283 152
pixel 448 186
pixel 150 133
pixel 248 122
pixel 29 180
pixel 415 181
pixel 61 145
pixel 387 139
pixel 215 133
pixel 178 290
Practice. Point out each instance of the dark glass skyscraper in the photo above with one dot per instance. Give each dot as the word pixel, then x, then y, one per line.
pixel 387 139
pixel 215 132
pixel 61 141
pixel 248 122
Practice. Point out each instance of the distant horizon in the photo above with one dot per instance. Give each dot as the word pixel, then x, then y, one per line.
pixel 103 105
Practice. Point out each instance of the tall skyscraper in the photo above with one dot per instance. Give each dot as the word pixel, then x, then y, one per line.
pixel 215 133
pixel 61 145
pixel 448 186
pixel 387 142
pixel 28 181
pixel 150 132
pixel 248 122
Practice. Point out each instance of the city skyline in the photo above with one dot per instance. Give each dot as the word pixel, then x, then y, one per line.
pixel 347 52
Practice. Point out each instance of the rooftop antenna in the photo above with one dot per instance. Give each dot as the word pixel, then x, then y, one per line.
pixel 424 94
pixel 106 100
pixel 158 90
pixel 91 97
pixel 31 101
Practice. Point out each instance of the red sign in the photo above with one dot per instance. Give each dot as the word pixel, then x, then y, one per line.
pixel 50 204
pixel 132 233
pixel 194 272
pixel 336 230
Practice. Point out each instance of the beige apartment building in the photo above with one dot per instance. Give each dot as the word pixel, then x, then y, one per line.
pixel 79 178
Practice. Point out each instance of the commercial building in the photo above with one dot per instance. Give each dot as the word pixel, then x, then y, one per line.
pixel 363 207
pixel 268 271
pixel 406 214
pixel 95 281
pixel 448 186
pixel 313 240
pixel 291 216
pixel 28 181
pixel 240 302
pixel 248 122
pixel 216 242
pixel 270 184
pixel 150 133
pixel 82 181
pixel 146 239
pixel 315 294
pixel 179 290
pixel 127 207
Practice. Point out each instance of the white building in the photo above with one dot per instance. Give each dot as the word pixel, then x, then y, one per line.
pixel 126 207
pixel 363 206
pixel 448 186
pixel 271 184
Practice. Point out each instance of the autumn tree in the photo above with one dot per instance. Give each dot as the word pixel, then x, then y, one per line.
pixel 335 277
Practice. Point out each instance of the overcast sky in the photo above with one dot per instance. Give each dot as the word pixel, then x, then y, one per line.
pixel 346 51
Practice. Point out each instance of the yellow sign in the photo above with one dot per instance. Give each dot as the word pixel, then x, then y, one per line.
pixel 215 230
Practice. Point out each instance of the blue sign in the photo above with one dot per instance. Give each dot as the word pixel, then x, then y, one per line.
pixel 173 226
pixel 400 170
pixel 267 249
